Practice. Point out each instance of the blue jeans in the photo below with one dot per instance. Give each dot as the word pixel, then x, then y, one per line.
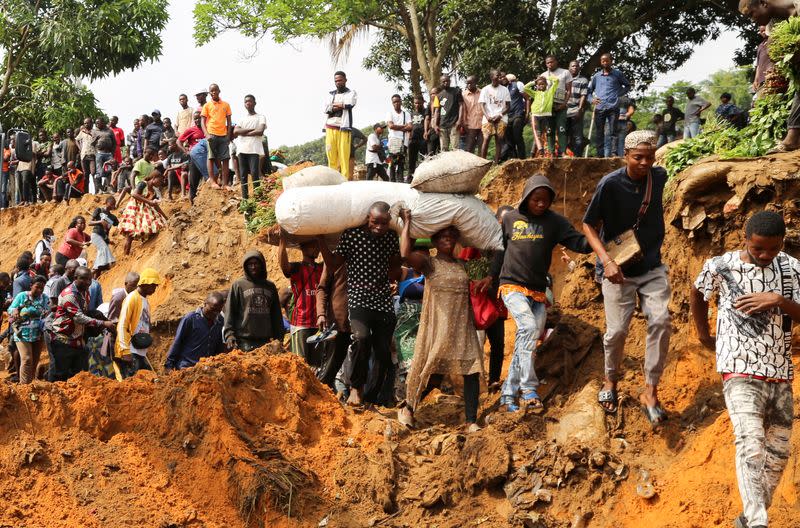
pixel 4 181
pixel 530 317
pixel 691 130
pixel 620 135
pixel 663 139
pixel 605 124
pixel 99 159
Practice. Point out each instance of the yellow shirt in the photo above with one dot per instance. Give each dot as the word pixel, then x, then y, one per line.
pixel 216 114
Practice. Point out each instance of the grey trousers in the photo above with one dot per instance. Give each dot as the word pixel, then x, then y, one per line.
pixel 761 414
pixel 448 138
pixel 652 290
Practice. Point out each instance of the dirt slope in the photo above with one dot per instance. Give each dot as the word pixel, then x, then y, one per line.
pixel 253 440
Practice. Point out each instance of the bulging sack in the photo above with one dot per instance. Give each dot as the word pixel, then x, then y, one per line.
pixel 313 176
pixel 456 171
pixel 326 210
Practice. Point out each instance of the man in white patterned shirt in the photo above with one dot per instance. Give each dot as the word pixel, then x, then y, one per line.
pixel 759 292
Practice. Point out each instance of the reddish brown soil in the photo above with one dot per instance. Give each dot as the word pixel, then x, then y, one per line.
pixel 254 440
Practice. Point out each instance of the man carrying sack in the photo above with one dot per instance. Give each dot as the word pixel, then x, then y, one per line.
pixel 624 224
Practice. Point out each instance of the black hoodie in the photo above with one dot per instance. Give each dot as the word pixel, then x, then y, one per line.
pixel 529 241
pixel 253 310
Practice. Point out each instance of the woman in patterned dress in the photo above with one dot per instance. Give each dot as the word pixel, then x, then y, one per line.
pixel 447 342
pixel 143 217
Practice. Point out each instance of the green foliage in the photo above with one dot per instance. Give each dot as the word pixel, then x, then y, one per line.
pixel 735 81
pixel 50 42
pixel 767 126
pixel 259 210
pixel 55 103
pixel 784 48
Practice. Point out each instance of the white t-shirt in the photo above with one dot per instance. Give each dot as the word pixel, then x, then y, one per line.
pixel 251 144
pixel 758 344
pixel 564 78
pixel 372 157
pixel 398 118
pixel 495 98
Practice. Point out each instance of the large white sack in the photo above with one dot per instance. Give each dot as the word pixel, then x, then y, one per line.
pixel 324 210
pixel 455 171
pixel 313 176
pixel 331 209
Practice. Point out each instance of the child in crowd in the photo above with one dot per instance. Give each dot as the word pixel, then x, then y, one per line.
pixel 541 110
pixel 304 278
pixel 102 221
pixel 142 215
pixel 47 184
pixel 75 183
pixel 121 178
pixel 375 155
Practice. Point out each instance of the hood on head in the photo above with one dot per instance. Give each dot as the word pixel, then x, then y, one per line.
pixel 534 182
pixel 254 253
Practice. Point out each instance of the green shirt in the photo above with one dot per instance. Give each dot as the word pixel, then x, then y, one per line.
pixel 541 102
pixel 142 168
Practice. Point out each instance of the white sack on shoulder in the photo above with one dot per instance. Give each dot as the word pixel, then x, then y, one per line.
pixel 313 176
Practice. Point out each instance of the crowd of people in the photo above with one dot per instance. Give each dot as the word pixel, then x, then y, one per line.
pixel 381 318
pixel 554 104
pixel 201 144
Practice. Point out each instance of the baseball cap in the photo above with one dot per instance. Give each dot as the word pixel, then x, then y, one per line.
pixel 155 112
pixel 203 91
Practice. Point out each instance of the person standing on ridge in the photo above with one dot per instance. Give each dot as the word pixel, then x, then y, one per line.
pixel 339 110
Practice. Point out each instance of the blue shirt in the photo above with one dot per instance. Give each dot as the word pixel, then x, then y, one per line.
pixel 95 295
pixel 608 88
pixel 22 283
pixel 195 338
pixel 616 204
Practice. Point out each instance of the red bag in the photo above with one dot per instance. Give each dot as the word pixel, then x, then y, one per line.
pixel 484 308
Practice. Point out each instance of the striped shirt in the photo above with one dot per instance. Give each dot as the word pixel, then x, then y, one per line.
pixel 580 88
pixel 304 279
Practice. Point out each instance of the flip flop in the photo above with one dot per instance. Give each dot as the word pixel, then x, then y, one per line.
pixel 655 415
pixel 608 396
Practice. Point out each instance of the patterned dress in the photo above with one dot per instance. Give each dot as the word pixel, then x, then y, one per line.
pixel 447 342
pixel 140 219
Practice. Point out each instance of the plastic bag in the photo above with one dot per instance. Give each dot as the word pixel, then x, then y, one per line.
pixel 484 308
pixel 455 171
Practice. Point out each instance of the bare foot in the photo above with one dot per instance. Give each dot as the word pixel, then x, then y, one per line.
pixel 355 398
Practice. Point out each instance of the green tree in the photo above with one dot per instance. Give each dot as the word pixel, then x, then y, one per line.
pixel 48 42
pixel 417 40
pixel 735 81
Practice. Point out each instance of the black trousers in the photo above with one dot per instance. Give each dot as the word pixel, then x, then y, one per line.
pixel 415 148
pixel 249 164
pixel 398 166
pixel 66 361
pixel 515 140
pixel 194 180
pixel 496 336
pixel 377 170
pixel 471 391
pixel 333 357
pixel 794 113
pixel 372 336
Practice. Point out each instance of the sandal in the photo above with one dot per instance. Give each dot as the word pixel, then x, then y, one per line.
pixel 655 415
pixel 608 396
pixel 531 400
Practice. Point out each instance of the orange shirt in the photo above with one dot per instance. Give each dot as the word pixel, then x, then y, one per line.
pixel 6 152
pixel 216 114
pixel 73 176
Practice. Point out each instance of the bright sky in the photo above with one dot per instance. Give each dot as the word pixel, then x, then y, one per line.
pixel 290 82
